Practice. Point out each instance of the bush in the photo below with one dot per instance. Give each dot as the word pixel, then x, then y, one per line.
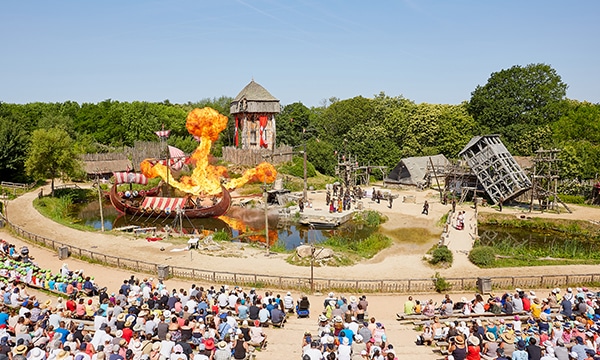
pixel 441 255
pixel 296 168
pixel 483 256
pixel 572 199
pixel 221 235
pixel 440 283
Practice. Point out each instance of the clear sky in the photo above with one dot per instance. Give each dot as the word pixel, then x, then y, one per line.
pixel 302 50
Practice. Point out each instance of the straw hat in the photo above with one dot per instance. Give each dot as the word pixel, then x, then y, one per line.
pixel 490 336
pixel 459 340
pixel 21 350
pixel 474 340
pixel 62 355
pixel 156 346
pixel 353 299
pixel 222 345
pixel 121 317
pixel 508 337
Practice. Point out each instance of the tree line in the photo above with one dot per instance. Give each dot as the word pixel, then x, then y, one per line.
pixel 526 105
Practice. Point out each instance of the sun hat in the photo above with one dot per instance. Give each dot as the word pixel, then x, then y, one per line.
pixel 352 299
pixel 490 336
pixel 256 322
pixel 459 340
pixel 322 317
pixel 121 317
pixel 474 340
pixel 36 354
pixel 209 344
pixel 63 354
pixel 178 349
pixel 20 350
pixel 222 345
pixel 507 337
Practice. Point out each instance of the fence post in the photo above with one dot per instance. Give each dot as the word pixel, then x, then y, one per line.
pixel 567 280
pixel 462 283
pixel 235 278
pixel 409 285
pixel 214 276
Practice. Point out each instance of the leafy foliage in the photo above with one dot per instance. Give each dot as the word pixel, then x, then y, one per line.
pixel 440 283
pixel 13 146
pixel 515 101
pixel 296 168
pixel 441 255
pixel 525 104
pixel 483 256
pixel 52 155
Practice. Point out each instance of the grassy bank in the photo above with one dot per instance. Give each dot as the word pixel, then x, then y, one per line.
pixel 60 207
pixel 506 241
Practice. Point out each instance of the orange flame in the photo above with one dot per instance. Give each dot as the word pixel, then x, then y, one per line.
pixel 206 124
pixel 241 227
pixel 263 172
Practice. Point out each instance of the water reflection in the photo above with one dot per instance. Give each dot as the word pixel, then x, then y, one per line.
pixel 246 225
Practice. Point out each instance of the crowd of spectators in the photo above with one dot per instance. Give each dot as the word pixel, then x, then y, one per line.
pixel 345 331
pixel 520 325
pixel 143 319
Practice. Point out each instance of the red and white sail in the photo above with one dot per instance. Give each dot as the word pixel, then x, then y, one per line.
pixel 163 203
pixel 130 178
pixel 177 159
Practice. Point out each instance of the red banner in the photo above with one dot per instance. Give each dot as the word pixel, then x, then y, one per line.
pixel 263 133
pixel 235 136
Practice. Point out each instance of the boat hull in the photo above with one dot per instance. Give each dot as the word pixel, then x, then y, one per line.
pixel 216 210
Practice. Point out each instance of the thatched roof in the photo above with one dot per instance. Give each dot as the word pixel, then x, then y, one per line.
pixel 254 92
pixel 106 166
pixel 255 99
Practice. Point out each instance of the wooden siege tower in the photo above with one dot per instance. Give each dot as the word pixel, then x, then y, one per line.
pixel 254 110
pixel 496 170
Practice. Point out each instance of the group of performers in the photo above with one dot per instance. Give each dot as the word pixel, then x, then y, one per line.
pixel 342 199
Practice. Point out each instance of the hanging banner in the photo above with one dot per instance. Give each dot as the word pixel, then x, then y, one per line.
pixel 235 136
pixel 263 133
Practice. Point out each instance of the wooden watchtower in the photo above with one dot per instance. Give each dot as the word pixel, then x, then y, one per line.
pixel 254 110
pixel 496 170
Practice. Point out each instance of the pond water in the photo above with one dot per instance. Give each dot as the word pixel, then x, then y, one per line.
pixel 242 224
pixel 516 241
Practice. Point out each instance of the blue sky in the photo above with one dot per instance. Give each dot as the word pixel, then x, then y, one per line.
pixel 304 50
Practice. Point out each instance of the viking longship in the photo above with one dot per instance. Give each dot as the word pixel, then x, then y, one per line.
pixel 147 202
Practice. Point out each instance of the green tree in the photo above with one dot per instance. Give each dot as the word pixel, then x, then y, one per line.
pixel 13 147
pixel 291 122
pixel 51 155
pixel 518 99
